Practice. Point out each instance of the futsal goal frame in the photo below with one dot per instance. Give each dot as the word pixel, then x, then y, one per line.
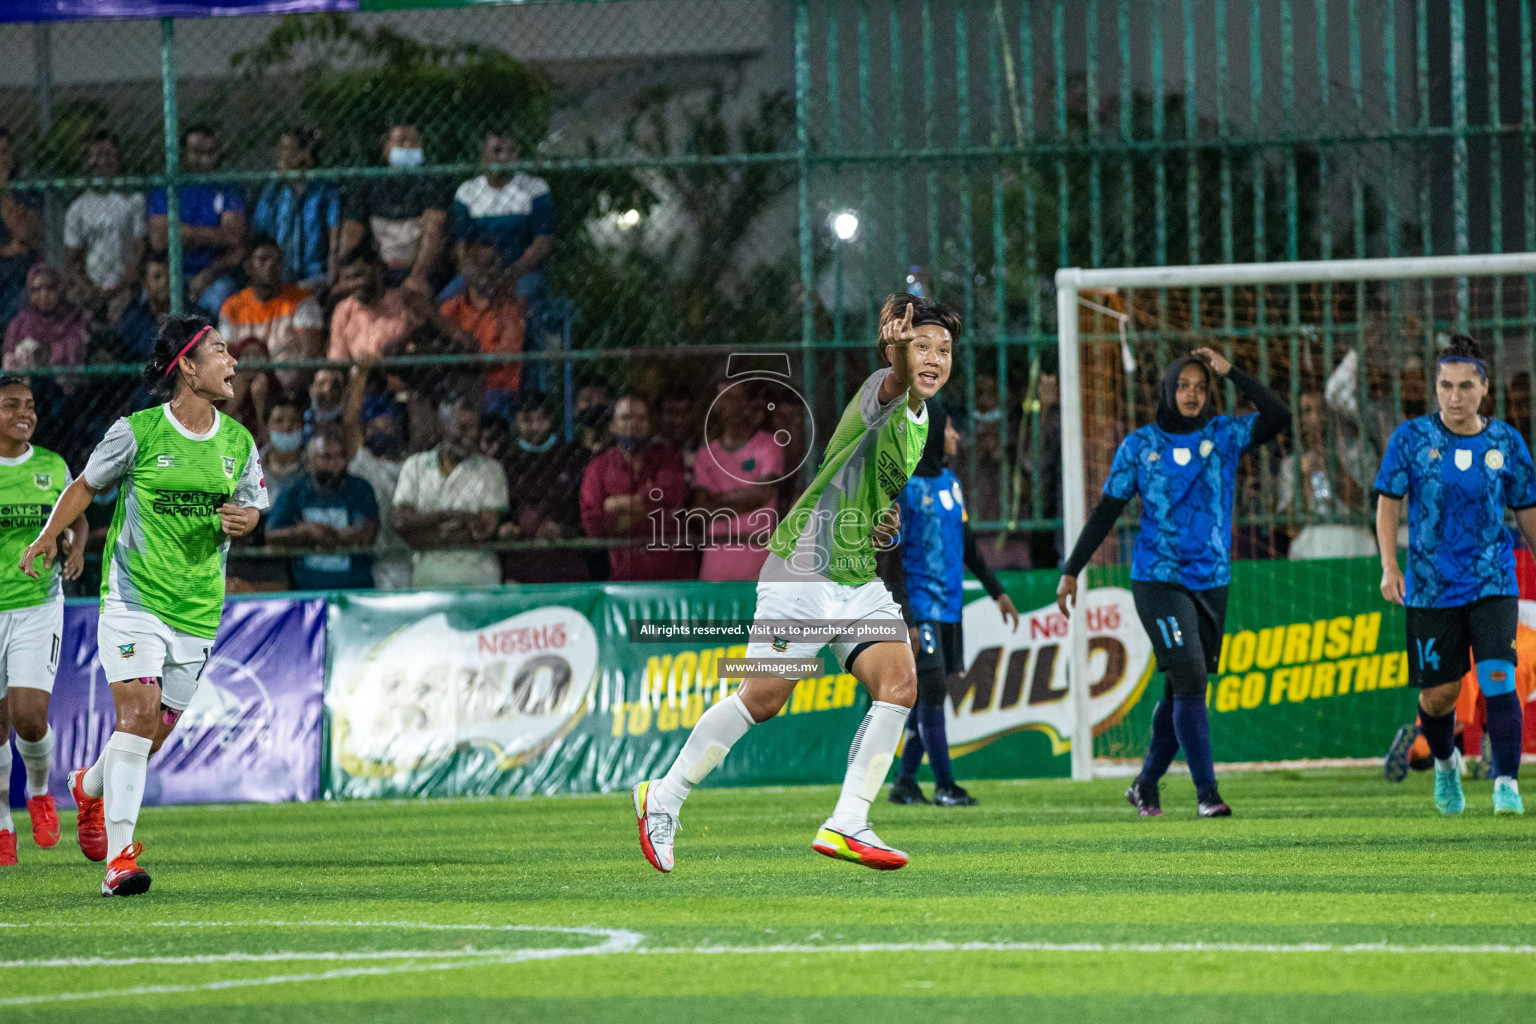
pixel 1071 282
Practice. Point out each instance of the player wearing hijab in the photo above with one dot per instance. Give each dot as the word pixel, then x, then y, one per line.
pixel 189 479
pixel 1459 471
pixel 31 611
pixel 934 527
pixel 1184 467
pixel 821 569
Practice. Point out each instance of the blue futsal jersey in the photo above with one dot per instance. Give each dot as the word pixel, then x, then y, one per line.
pixel 1186 482
pixel 1457 489
pixel 933 540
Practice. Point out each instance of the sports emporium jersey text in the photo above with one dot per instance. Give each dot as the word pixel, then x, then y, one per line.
pixel 1186 485
pixel 30 485
pixel 1457 489
pixel 166 548
pixel 828 532
pixel 932 539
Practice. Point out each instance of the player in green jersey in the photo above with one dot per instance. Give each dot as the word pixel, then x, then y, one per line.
pixel 818 588
pixel 31 610
pixel 189 479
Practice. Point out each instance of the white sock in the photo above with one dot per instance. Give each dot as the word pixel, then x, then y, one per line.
pixel 127 760
pixel 94 778
pixel 6 824
pixel 869 759
pixel 1445 765
pixel 38 757
pixel 712 738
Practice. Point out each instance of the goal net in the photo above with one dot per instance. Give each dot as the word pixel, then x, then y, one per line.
pixel 1313 666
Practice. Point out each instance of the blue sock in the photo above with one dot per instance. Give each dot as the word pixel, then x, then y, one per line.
pixel 1439 732
pixel 1504 730
pixel 1164 745
pixel 1194 733
pixel 930 725
pixel 911 751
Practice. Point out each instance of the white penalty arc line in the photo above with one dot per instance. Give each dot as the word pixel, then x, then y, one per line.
pixel 616 940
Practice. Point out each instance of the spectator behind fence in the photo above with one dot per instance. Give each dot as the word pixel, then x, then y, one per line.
pixel 634 491
pixel 327 391
pixel 371 317
pixel 407 216
pixel 212 223
pixel 303 216
pixel 375 443
pixel 327 508
pixel 282 457
pixel 253 389
pixel 21 232
pixel 285 317
pixel 452 496
pixel 139 323
pixel 678 425
pixel 1332 486
pixel 515 211
pixel 103 234
pixel 495 437
pixel 543 479
pixel 734 480
pixel 48 331
pixel 489 311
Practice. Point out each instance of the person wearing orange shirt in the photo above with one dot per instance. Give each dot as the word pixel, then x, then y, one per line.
pixel 490 311
pixel 286 318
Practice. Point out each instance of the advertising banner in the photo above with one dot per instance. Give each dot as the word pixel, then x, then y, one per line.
pixel 544 689
pixel 79 10
pixel 252 733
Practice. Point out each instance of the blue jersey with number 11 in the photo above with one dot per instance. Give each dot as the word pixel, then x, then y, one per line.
pixel 1457 489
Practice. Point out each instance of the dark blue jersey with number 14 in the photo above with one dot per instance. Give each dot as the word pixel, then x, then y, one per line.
pixel 1457 489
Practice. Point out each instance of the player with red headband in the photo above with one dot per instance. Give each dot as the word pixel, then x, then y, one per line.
pixel 189 479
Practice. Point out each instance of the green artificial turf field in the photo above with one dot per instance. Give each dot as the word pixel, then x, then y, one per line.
pixel 545 910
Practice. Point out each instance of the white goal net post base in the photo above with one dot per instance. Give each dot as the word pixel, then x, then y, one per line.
pixel 1077 287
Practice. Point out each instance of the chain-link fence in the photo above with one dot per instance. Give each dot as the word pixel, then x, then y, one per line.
pixel 535 208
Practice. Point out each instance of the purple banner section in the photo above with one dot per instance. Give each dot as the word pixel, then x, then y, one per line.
pixel 252 733
pixel 80 10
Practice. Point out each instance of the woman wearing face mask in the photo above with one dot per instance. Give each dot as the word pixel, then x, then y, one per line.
pixel 1184 467
pixel 190 479
pixel 283 454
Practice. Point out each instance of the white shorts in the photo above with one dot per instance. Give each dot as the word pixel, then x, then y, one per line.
pixel 29 646
pixel 133 644
pixel 821 601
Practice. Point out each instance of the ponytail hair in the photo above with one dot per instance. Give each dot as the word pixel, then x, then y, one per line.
pixel 171 343
pixel 1464 349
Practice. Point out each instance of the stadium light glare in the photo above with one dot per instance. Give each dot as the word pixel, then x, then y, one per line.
pixel 845 225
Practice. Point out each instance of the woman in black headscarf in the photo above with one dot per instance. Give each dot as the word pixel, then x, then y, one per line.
pixel 1184 467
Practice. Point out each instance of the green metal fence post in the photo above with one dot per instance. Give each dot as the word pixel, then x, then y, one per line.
pixel 803 154
pixel 172 160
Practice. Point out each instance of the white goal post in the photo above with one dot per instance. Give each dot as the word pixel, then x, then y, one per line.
pixel 1071 282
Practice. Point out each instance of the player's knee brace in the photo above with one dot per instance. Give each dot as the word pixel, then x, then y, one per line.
pixel 1495 677
pixel 930 686
pixel 1186 679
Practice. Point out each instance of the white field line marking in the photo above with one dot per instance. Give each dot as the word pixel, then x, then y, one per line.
pixel 617 940
pixel 1086 947
pixel 280 956
pixel 621 941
